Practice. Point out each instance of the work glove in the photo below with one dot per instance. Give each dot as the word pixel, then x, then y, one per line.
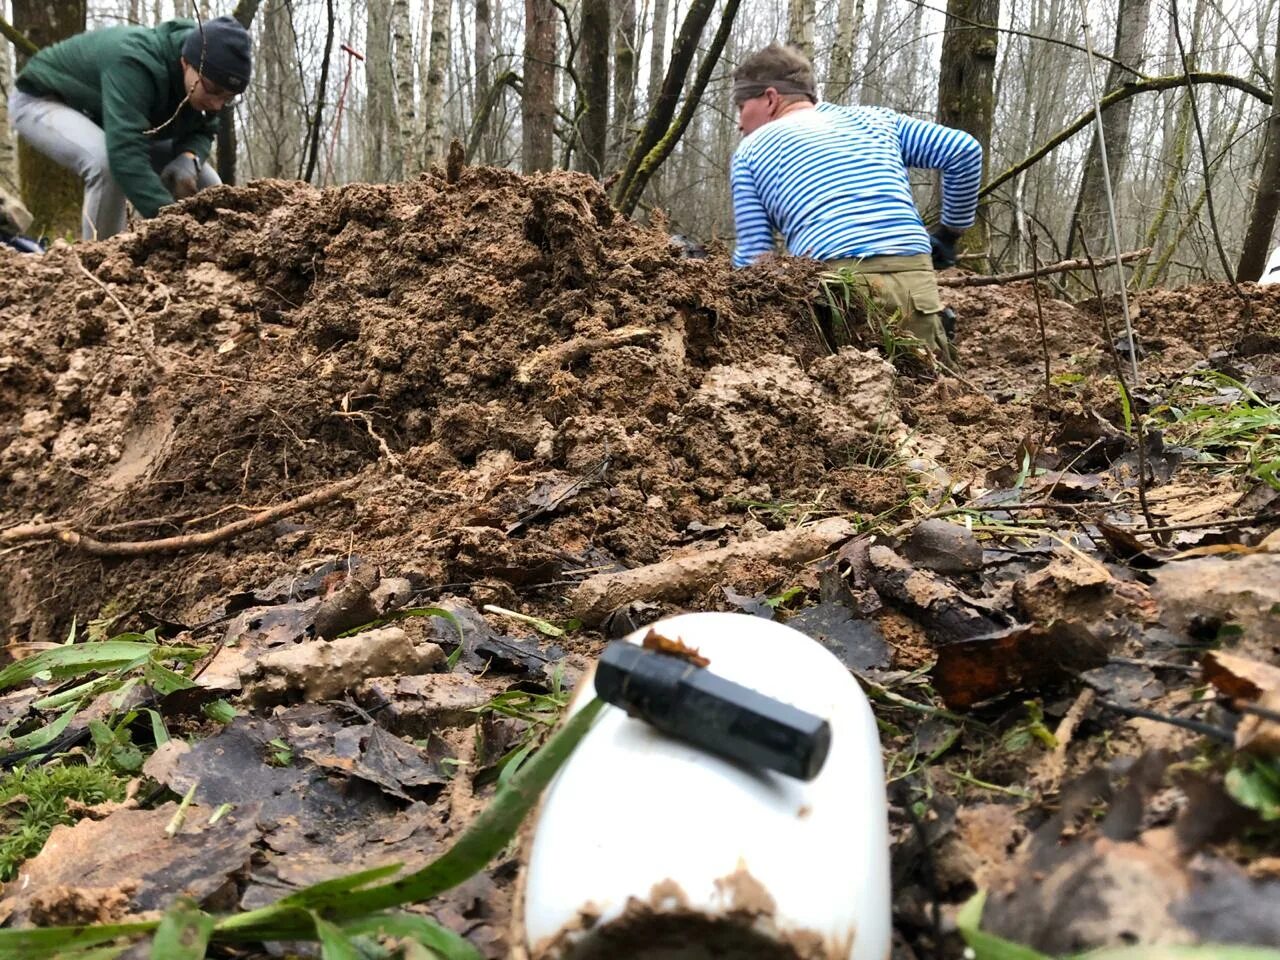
pixel 180 176
pixel 942 244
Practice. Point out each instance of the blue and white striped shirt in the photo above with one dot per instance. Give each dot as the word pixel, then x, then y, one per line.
pixel 833 181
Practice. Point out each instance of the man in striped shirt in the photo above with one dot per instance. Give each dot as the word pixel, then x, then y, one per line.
pixel 833 181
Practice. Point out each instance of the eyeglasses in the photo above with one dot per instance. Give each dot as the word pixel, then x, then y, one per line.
pixel 213 90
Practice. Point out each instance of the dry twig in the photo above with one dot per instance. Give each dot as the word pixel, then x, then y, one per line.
pixel 1062 266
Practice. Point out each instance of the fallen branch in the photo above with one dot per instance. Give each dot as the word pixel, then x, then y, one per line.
pixel 1062 266
pixel 561 355
pixel 199 541
pixel 681 576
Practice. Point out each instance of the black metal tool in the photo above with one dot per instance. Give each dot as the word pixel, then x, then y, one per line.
pixel 693 704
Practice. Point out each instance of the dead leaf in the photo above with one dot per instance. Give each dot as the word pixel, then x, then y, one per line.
pixel 131 847
pixel 971 670
pixel 858 643
pixel 1243 678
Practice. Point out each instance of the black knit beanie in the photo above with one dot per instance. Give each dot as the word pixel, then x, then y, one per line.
pixel 219 50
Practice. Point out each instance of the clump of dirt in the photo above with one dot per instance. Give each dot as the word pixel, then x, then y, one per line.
pixel 260 342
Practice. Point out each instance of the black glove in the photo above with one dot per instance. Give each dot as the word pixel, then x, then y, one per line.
pixel 180 176
pixel 942 244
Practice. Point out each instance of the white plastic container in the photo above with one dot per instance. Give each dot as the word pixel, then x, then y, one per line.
pixel 1271 272
pixel 646 847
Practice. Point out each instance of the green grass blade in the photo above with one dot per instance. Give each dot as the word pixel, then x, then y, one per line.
pixel 183 933
pixel 159 730
pixel 987 946
pixel 46 734
pixel 334 944
pixel 82 658
pixel 96 953
pixel 1126 407
pixel 1202 952
pixel 341 885
pixel 420 929
pixel 47 943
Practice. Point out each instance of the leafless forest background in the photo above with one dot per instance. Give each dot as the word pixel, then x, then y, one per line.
pixel 640 87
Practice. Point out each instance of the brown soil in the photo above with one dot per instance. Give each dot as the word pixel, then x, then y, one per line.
pixel 260 342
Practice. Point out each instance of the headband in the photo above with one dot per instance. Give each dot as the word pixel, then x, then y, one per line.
pixel 748 89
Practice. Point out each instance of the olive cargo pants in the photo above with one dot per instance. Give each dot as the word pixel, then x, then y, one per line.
pixel 908 286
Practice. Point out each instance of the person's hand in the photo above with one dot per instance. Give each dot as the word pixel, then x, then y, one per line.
pixel 180 175
pixel 942 244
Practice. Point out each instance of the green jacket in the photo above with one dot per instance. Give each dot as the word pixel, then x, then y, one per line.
pixel 127 80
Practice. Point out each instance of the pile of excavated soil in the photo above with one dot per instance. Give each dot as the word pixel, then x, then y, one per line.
pixel 524 384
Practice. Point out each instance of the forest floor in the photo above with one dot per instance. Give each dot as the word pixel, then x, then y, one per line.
pixel 275 414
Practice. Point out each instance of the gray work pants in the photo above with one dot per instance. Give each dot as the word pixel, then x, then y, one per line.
pixel 70 139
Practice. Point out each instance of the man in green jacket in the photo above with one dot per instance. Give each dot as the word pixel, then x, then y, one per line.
pixel 133 111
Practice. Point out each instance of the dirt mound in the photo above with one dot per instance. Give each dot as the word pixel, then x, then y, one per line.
pixel 477 352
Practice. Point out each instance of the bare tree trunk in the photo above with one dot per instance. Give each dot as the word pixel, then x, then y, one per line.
pixel 537 105
pixel 52 194
pixel 658 50
pixel 592 108
pixel 870 91
pixel 279 138
pixel 1090 213
pixel 226 141
pixel 914 44
pixel 661 133
pixel 406 114
pixel 434 108
pixel 849 15
pixel 316 129
pixel 484 50
pixel 801 15
pixel 382 160
pixel 624 76
pixel 966 94
pixel 8 151
pixel 1266 201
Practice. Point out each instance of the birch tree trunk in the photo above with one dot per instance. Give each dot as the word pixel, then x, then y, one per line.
pixel 8 151
pixel 658 50
pixel 801 15
pixel 433 120
pixel 537 105
pixel 484 50
pixel 406 114
pixel 593 97
pixel 278 141
pixel 870 90
pixel 1090 214
pixel 966 93
pixel 849 15
pixel 52 194
pixel 1266 201
pixel 624 76
pixel 382 160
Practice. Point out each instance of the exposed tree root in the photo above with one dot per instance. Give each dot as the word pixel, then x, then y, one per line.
pixel 679 577
pixel 64 532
